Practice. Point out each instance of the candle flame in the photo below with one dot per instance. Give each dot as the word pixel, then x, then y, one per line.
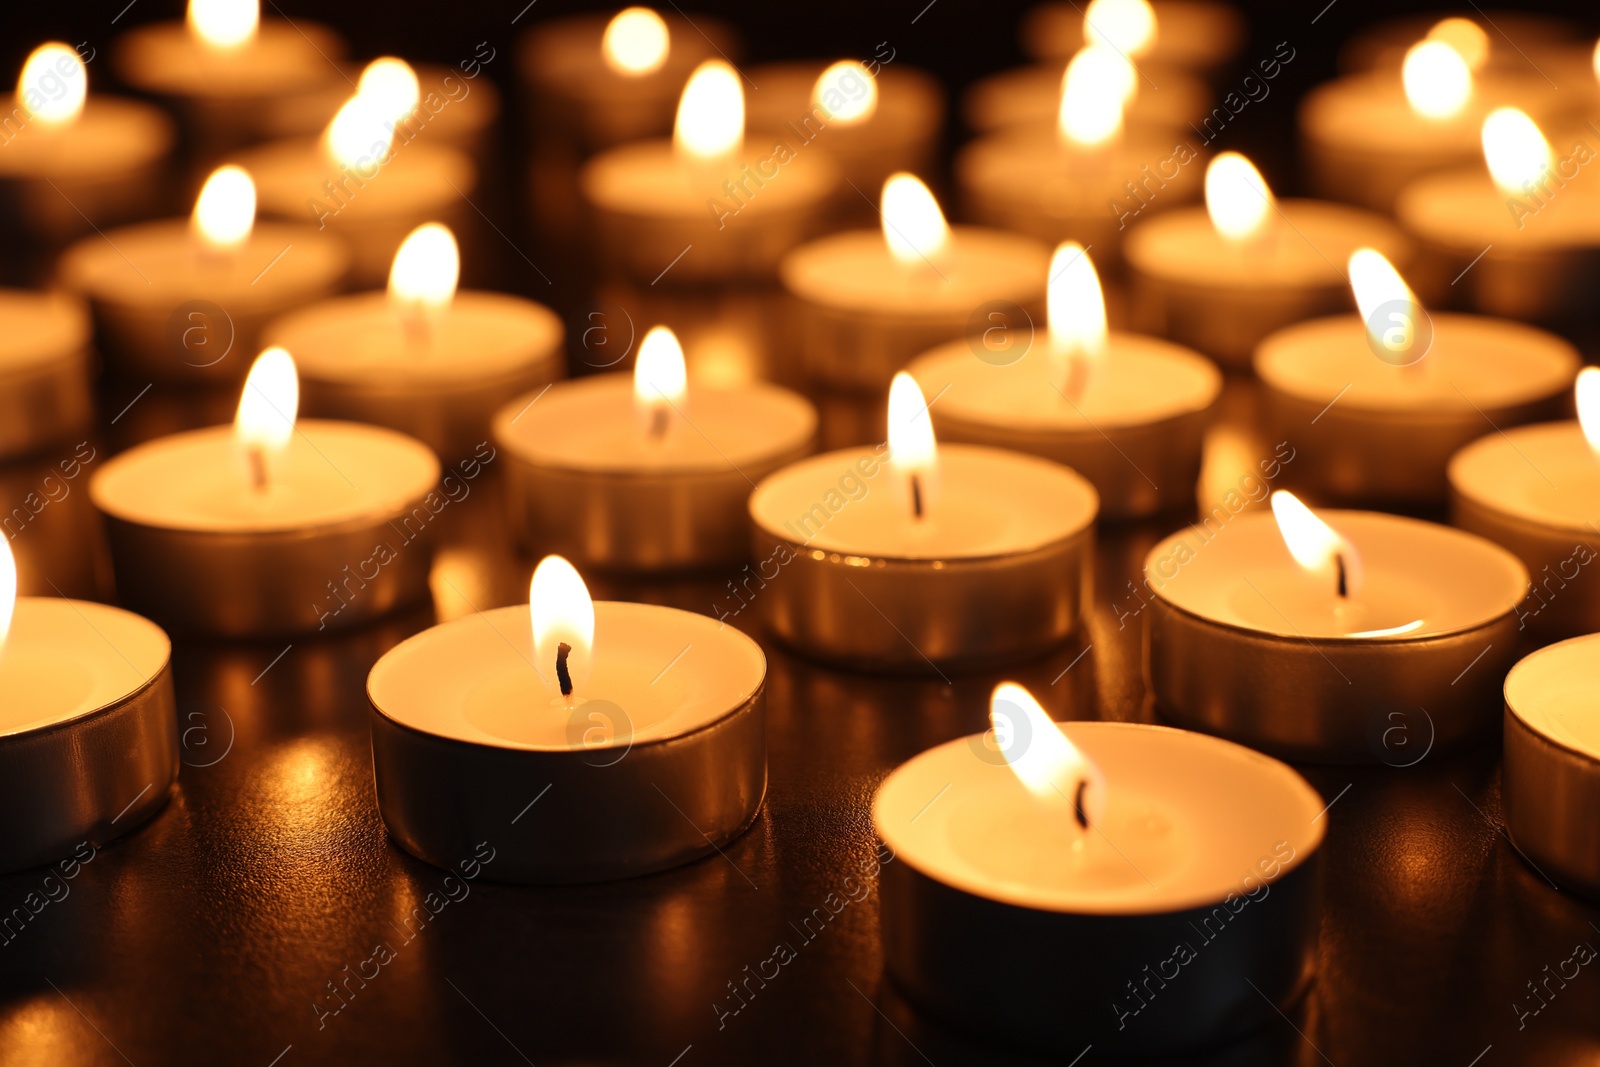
pixel 53 85
pixel 1468 39
pixel 224 24
pixel 1517 153
pixel 1237 197
pixel 8 588
pixel 1097 84
pixel 426 269
pixel 1314 544
pixel 846 92
pixel 1375 282
pixel 361 132
pixel 913 453
pixel 1049 765
pixel 1597 59
pixel 1076 308
pixel 660 380
pixel 264 423
pixel 392 87
pixel 225 210
pixel 636 42
pixel 1588 397
pixel 710 122
pixel 1438 81
pixel 562 613
pixel 1128 26
pixel 913 225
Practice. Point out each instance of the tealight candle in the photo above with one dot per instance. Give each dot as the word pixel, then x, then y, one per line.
pixel 1223 278
pixel 646 472
pixel 912 557
pixel 1365 137
pixel 1127 412
pixel 174 299
pixel 372 177
pixel 1377 403
pixel 1031 97
pixel 422 358
pixel 1551 781
pixel 1527 224
pixel 1198 35
pixel 1077 860
pixel 866 301
pixel 270 526
pixel 1506 41
pixel 646 726
pixel 1297 633
pixel 72 156
pixel 711 204
pixel 44 371
pixel 1533 490
pixel 1086 178
pixel 223 66
pixel 88 727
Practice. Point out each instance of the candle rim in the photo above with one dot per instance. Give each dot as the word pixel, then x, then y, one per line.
pixel 1525 665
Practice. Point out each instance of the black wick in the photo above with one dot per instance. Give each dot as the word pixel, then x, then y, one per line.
pixel 916 496
pixel 1343 576
pixel 563 675
pixel 658 422
pixel 1078 810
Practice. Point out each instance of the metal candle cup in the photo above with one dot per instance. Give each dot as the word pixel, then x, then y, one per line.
pixel 44 371
pixel 1031 96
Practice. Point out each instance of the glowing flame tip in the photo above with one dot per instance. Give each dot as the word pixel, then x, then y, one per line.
pixel 562 613
pixel 53 85
pixel 636 42
pixel 710 121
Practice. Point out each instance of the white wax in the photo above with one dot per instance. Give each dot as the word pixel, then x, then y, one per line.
pixel 473 680
pixel 40 328
pixel 66 658
pixel 110 138
pixel 1556 692
pixel 364 338
pixel 855 271
pixel 1475 362
pixel 651 179
pixel 420 179
pixel 1189 819
pixel 1189 33
pixel 590 425
pixel 1034 168
pixel 1545 474
pixel 991 503
pixel 330 473
pixel 1031 96
pixel 1414 572
pixel 166 58
pixel 1464 209
pixel 1136 380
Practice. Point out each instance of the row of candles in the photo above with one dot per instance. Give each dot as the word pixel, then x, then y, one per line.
pixel 969 535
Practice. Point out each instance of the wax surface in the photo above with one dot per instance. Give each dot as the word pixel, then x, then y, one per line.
pixel 364 338
pixel 991 502
pixel 650 178
pixel 590 425
pixel 1474 362
pixel 164 264
pixel 66 658
pixel 1244 576
pixel 1464 208
pixel 1370 113
pixel 855 270
pixel 1031 96
pixel 166 58
pixel 1546 474
pixel 111 137
pixel 1556 691
pixel 1136 380
pixel 473 680
pixel 330 473
pixel 1189 819
pixel 1034 167
pixel 1189 33
pixel 1307 244
pixel 40 328
pixel 417 179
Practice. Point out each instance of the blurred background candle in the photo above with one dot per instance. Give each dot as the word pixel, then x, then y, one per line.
pixel 866 301
pixel 44 371
pixel 184 300
pixel 421 357
pixel 1197 35
pixel 1505 40
pixel 1127 412
pixel 1223 278
pixel 1377 403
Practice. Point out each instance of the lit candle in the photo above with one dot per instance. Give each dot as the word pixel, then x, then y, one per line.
pixel 88 726
pixel 645 725
pixel 1509 41
pixel 184 300
pixel 867 301
pixel 223 65
pixel 1536 491
pixel 1031 97
pixel 372 177
pixel 711 204
pixel 271 525
pixel 1377 403
pixel 70 155
pixel 1075 858
pixel 421 357
pixel 646 472
pixel 1197 35
pixel 914 556
pixel 1551 780
pixel 1127 412
pixel 1224 277
pixel 1298 632
pixel 44 371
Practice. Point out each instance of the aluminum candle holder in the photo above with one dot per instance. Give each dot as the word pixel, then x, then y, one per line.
pixel 44 371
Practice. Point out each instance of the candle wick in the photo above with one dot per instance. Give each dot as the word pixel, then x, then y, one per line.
pixel 415 326
pixel 1079 812
pixel 916 496
pixel 1342 574
pixel 258 468
pixel 563 675
pixel 658 421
